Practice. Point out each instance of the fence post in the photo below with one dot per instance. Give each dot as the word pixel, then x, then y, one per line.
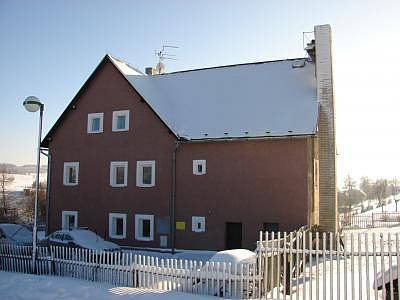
pixel 373 223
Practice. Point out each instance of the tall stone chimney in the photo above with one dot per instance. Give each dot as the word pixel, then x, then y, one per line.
pixel 328 208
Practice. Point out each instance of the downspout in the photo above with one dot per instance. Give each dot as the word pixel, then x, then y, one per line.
pixel 173 198
pixel 47 189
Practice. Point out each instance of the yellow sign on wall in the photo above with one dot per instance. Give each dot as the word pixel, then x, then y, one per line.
pixel 180 225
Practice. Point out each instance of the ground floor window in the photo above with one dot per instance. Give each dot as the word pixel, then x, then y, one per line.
pixel 69 219
pixel 117 226
pixel 144 227
pixel 270 227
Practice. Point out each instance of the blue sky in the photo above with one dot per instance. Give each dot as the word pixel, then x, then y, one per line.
pixel 49 48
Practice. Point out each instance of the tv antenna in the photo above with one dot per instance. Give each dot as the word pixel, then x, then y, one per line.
pixel 162 55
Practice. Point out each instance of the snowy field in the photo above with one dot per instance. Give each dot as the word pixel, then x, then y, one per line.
pixel 62 288
pixel 22 181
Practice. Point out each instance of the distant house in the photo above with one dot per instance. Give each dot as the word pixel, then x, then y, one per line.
pixel 198 159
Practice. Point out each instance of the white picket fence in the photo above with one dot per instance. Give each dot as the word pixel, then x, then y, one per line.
pixel 324 266
pixel 126 269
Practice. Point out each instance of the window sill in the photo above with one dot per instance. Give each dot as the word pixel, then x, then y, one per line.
pixel 70 184
pixel 94 132
pixel 118 185
pixel 120 130
pixel 143 239
pixel 118 237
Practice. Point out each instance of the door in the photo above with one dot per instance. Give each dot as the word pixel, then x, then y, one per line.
pixel 233 235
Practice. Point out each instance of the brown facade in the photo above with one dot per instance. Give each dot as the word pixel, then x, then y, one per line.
pixel 247 181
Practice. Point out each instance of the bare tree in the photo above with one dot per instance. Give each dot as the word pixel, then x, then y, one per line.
pixel 394 185
pixel 349 185
pixel 29 203
pixel 381 191
pixel 5 180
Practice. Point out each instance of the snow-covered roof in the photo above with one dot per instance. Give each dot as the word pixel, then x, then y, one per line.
pixel 124 67
pixel 239 101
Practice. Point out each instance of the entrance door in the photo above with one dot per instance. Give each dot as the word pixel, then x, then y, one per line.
pixel 233 235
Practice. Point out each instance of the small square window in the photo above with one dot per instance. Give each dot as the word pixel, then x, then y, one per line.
pixel 145 173
pixel 69 220
pixel 119 173
pixel 199 167
pixel 71 173
pixel 198 224
pixel 120 120
pixel 117 226
pixel 144 227
pixel 95 123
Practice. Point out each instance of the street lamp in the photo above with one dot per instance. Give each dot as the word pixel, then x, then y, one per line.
pixel 33 104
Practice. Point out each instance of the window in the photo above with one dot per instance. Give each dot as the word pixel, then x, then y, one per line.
pixel 144 227
pixel 120 120
pixel 95 123
pixel 69 219
pixel 117 226
pixel 71 173
pixel 199 167
pixel 198 224
pixel 145 173
pixel 119 173
pixel 270 227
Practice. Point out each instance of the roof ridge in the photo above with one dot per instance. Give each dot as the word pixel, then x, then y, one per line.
pixel 235 65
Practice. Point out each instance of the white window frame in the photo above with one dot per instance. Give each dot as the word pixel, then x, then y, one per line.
pixel 197 162
pixel 68 165
pixel 139 172
pixel 66 213
pixel 113 174
pixel 118 113
pixel 111 217
pixel 138 234
pixel 92 116
pixel 195 221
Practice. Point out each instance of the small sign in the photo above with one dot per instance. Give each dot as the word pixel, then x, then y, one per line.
pixel 180 225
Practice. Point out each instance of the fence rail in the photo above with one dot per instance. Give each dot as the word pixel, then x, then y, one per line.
pixel 127 269
pixel 375 220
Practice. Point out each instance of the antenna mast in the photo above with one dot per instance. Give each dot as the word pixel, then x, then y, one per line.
pixel 162 55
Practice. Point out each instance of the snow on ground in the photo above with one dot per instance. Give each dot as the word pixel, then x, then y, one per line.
pixel 390 207
pixel 356 284
pixel 48 287
pixel 21 181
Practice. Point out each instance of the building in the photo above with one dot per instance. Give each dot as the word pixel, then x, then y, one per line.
pixel 199 159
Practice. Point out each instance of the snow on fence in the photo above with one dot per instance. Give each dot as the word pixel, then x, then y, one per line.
pixel 375 220
pixel 326 266
pixel 126 269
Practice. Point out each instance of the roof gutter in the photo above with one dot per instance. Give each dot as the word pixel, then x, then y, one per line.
pixel 233 139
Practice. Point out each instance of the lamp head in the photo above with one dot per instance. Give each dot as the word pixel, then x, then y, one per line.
pixel 32 104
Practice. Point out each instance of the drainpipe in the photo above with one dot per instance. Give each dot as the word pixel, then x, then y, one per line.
pixel 173 198
pixel 47 188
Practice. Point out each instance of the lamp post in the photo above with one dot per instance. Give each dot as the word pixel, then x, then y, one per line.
pixel 33 104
